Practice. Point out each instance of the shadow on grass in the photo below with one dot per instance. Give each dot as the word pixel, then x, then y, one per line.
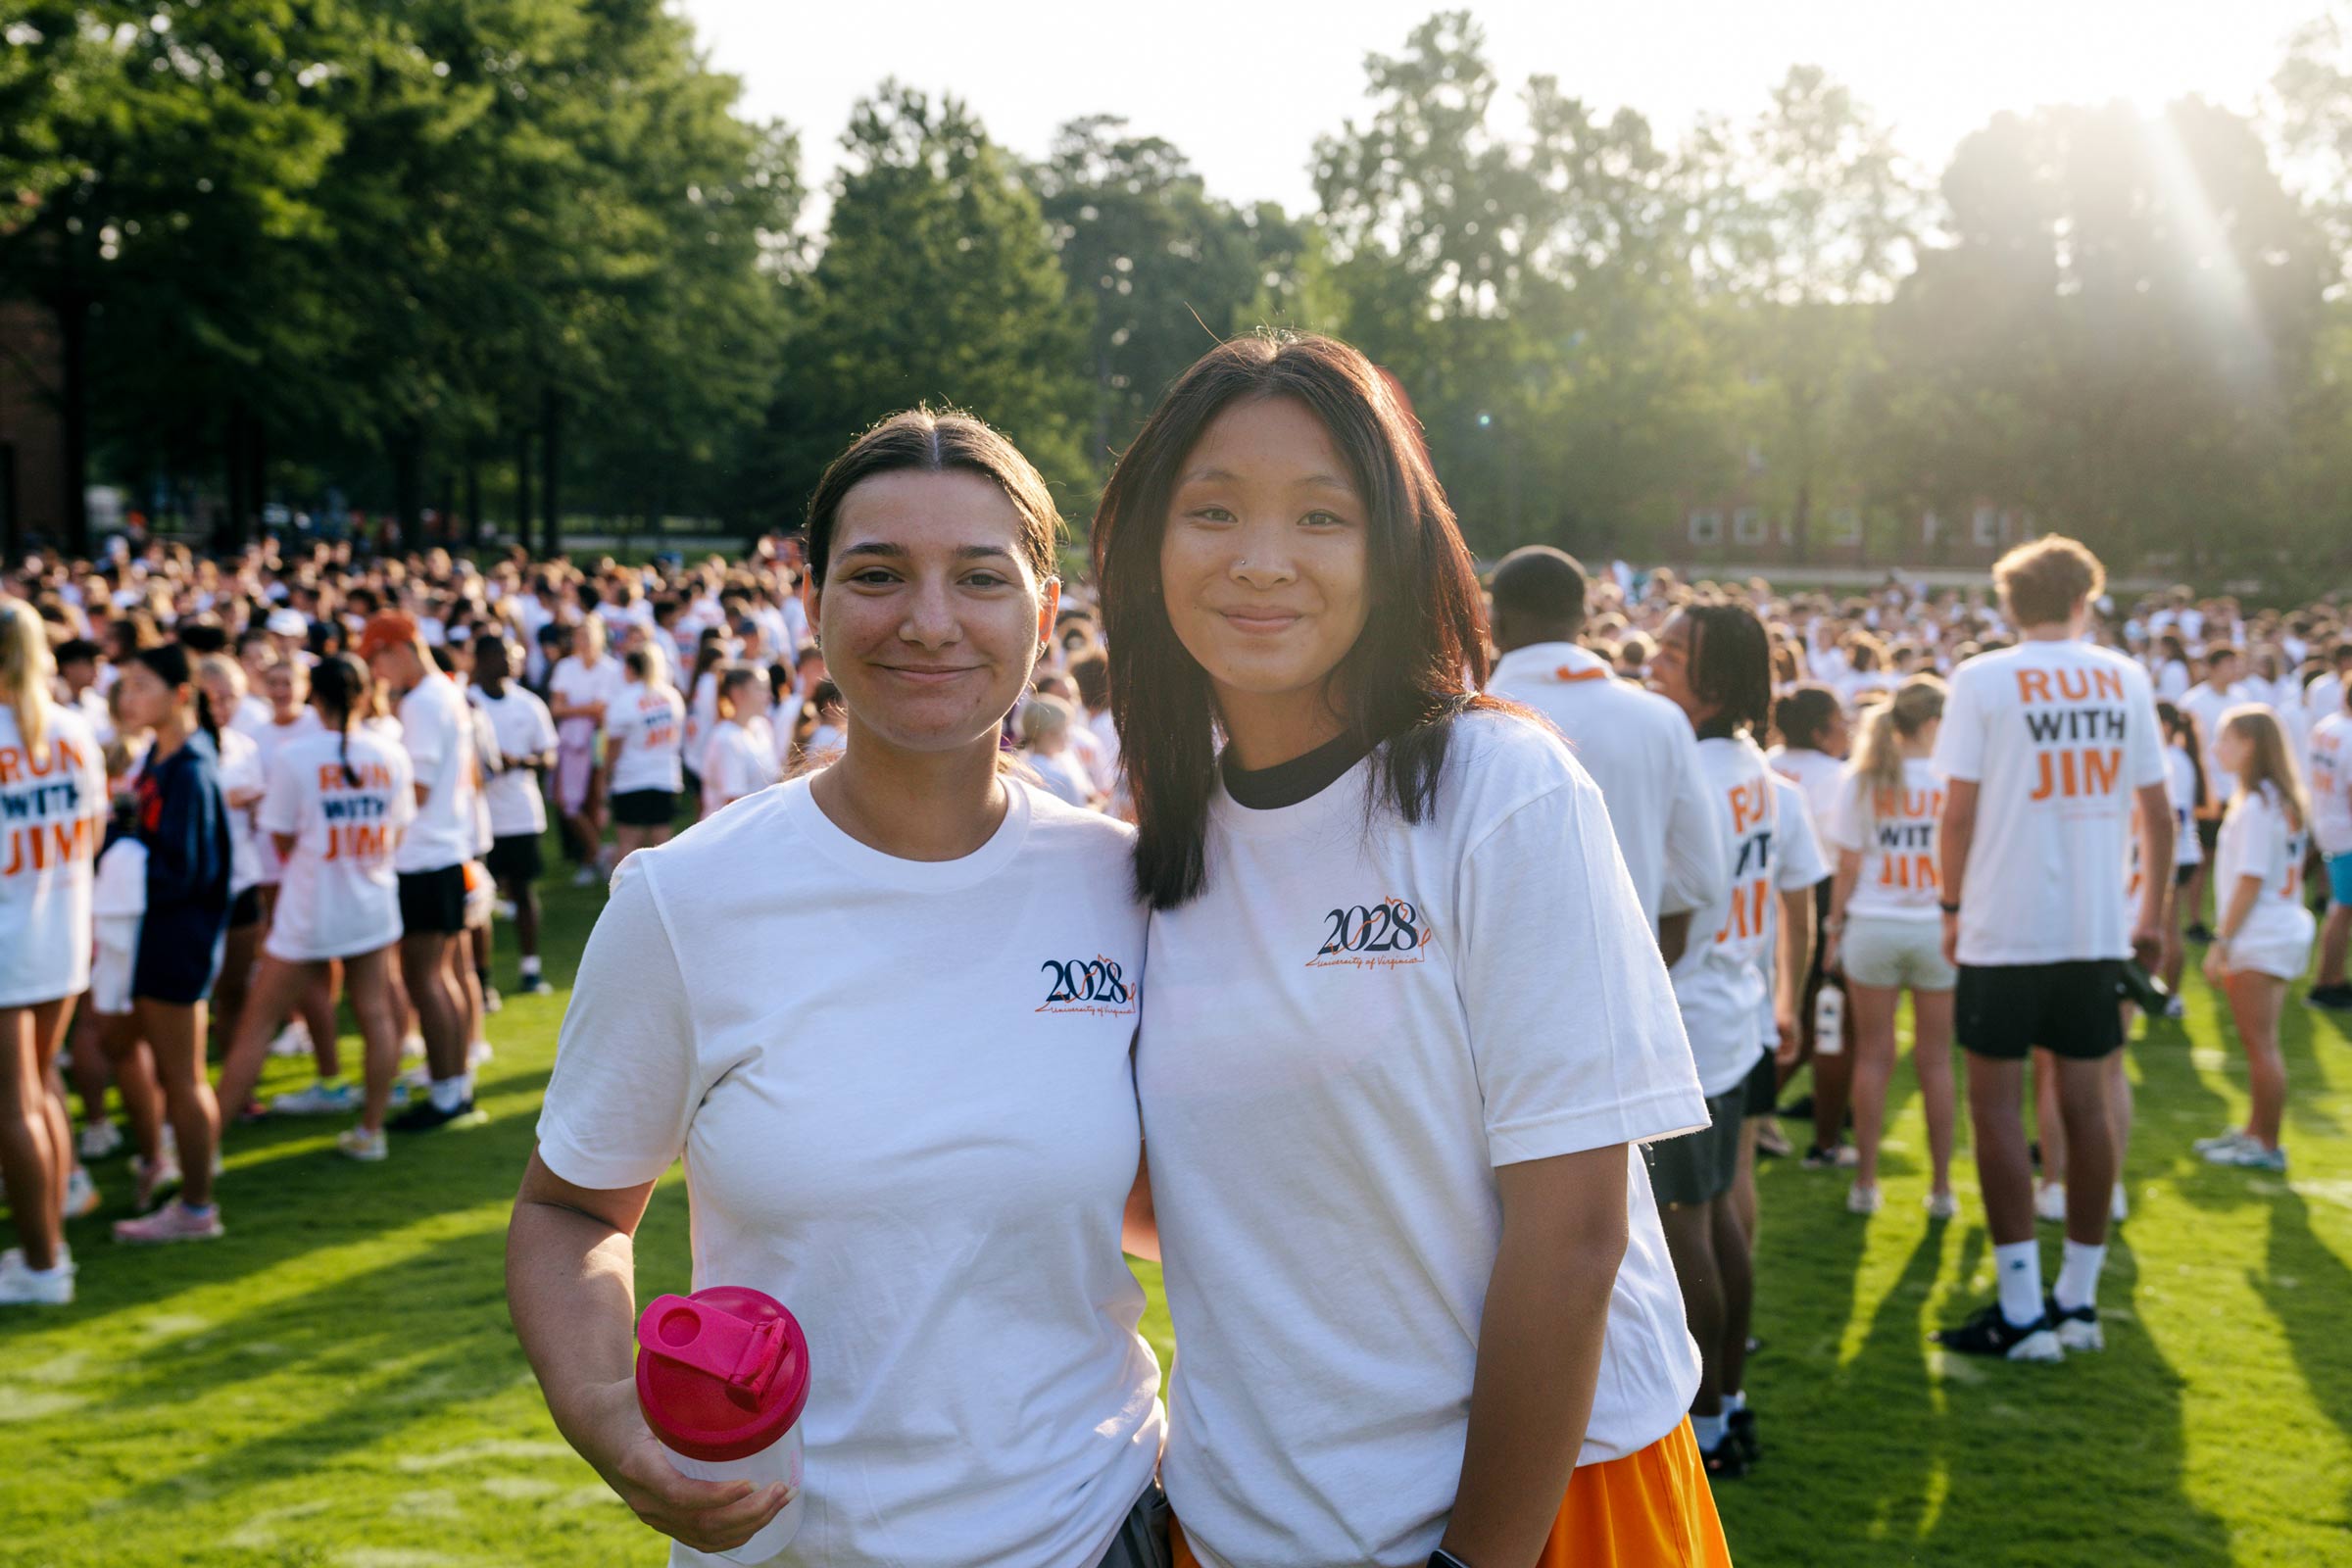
pixel 2307 1287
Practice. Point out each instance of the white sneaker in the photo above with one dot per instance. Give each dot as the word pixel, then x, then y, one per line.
pixel 2049 1205
pixel 411 1047
pixel 21 1286
pixel 492 1002
pixel 2225 1140
pixel 584 877
pixel 294 1040
pixel 82 1195
pixel 319 1099
pixel 2119 1206
pixel 2175 1010
pixel 1861 1199
pixel 479 1052
pixel 14 1257
pixel 101 1140
pixel 358 1142
pixel 1944 1206
pixel 504 908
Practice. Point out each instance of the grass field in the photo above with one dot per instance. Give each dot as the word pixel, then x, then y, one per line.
pixel 335 1383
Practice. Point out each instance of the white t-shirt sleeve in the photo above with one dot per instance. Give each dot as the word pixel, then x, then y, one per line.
pixel 543 725
pixel 1699 862
pixel 281 799
pixel 1960 743
pixel 1573 1027
pixel 1801 863
pixel 626 1081
pixel 2145 739
pixel 427 734
pixel 2265 840
pixel 1846 827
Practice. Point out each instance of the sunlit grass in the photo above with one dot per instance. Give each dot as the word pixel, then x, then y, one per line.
pixel 335 1383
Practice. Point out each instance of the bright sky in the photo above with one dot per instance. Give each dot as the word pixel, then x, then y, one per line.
pixel 1245 86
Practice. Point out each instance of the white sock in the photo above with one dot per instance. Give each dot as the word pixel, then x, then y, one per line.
pixel 1708 1429
pixel 531 968
pixel 1734 1404
pixel 2017 1266
pixel 52 1271
pixel 467 1078
pixel 448 1093
pixel 2078 1275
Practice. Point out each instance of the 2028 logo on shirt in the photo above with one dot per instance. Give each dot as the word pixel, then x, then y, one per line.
pixel 1095 986
pixel 1376 936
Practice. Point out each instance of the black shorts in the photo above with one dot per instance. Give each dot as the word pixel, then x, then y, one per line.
pixel 2184 875
pixel 2209 834
pixel 2072 1009
pixel 1763 1086
pixel 515 859
pixel 179 952
pixel 245 908
pixel 645 807
pixel 433 903
pixel 1700 1167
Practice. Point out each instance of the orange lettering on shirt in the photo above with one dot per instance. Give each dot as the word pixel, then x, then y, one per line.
pixel 2033 686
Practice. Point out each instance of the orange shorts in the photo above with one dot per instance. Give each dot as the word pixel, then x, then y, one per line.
pixel 1650 1509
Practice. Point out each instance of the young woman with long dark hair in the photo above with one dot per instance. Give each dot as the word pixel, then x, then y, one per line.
pixel 183 823
pixel 923 1140
pixel 1407 1019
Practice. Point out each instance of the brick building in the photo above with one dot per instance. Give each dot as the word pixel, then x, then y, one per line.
pixel 32 437
pixel 1737 531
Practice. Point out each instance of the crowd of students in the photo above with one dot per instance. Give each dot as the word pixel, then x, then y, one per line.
pixel 1485 925
pixel 239 793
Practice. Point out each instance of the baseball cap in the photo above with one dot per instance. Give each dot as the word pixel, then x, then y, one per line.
pixel 389 628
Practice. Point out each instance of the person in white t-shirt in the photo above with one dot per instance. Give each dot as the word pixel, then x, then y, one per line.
pixel 2187 785
pixel 2206 703
pixel 2047 749
pixel 645 733
pixel 579 690
pixel 739 757
pixel 337 804
pixel 1089 675
pixel 927 1161
pixel 526 750
pixel 430 859
pixel 241 782
pixel 1046 724
pixel 54 785
pixel 1637 745
pixel 1814 735
pixel 1884 932
pixel 2329 754
pixel 1406 1021
pixel 2262 932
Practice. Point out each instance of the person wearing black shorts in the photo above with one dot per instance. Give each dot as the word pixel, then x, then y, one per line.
pixel 2047 748
pixel 526 750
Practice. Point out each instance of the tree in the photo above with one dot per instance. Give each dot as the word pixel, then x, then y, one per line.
pixel 938 283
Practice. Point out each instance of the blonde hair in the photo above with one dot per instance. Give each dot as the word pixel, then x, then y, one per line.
pixel 2270 759
pixel 1043 716
pixel 2044 580
pixel 25 667
pixel 1878 754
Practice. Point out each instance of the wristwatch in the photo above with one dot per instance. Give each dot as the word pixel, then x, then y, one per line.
pixel 1949 908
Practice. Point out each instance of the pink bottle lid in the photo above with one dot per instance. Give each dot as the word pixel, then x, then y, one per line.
pixel 721 1373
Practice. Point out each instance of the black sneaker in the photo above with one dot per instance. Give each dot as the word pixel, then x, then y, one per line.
pixel 2077 1328
pixel 2198 932
pixel 1988 1333
pixel 424 1116
pixel 1724 1461
pixel 2330 999
pixel 1842 1157
pixel 1798 1109
pixel 1740 1434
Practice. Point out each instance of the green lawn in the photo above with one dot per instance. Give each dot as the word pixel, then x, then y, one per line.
pixel 335 1383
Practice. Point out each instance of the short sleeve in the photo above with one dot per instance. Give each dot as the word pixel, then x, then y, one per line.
pixel 1848 827
pixel 1960 743
pixel 281 797
pixel 1573 1027
pixel 626 1084
pixel 543 726
pixel 1799 863
pixel 2265 839
pixel 241 769
pixel 1699 862
pixel 404 791
pixel 2143 738
pixel 426 731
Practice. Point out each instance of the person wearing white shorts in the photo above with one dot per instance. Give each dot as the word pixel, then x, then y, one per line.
pixel 1885 933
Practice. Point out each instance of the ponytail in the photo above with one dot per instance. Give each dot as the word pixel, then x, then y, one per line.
pixel 1878 763
pixel 2180 729
pixel 26 665
pixel 170 665
pixel 337 688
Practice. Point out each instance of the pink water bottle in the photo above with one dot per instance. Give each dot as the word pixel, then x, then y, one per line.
pixel 722 1376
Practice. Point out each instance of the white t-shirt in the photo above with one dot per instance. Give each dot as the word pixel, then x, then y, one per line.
pixel 1107 748
pixel 241 777
pixel 339 896
pixel 1344 1036
pixel 438 732
pixel 1719 980
pixel 54 813
pixel 1063 775
pixel 267 740
pixel 1797 863
pixel 2206 706
pixel 2172 681
pixel 578 684
pixel 520 720
pixel 922 1145
pixel 2180 784
pixel 1639 749
pixel 740 759
pixel 2058 736
pixel 649 723
pixel 1820 776
pixel 1896 831
pixel 2257 841
pixel 2329 754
